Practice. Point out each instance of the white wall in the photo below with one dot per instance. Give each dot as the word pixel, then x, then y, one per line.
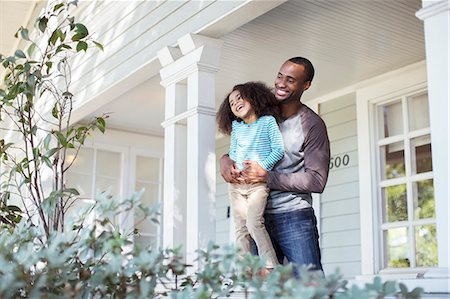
pixel 223 223
pixel 339 204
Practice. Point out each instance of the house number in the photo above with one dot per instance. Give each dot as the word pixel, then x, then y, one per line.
pixel 339 161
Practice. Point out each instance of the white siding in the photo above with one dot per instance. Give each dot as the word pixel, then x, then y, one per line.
pixel 132 32
pixel 222 201
pixel 339 207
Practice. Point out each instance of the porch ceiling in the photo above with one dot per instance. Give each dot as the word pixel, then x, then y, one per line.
pixel 348 41
pixel 13 14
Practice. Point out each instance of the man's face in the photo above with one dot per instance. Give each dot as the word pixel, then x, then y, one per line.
pixel 290 82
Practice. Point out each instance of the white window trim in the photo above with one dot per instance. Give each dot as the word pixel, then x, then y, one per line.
pixel 134 152
pixel 406 81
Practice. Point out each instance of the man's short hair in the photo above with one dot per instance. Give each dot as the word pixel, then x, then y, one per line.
pixel 309 69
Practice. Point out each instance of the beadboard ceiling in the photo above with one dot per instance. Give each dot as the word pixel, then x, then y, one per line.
pixel 347 40
pixel 13 14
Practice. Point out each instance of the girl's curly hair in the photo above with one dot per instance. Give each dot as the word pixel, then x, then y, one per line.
pixel 260 98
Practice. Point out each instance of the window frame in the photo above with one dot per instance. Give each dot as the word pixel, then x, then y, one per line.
pixel 410 80
pixel 407 180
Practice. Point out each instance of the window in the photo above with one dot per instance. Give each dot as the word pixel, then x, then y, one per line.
pixel 148 177
pixel 93 170
pixel 405 190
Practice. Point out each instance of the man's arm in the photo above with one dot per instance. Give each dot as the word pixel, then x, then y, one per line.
pixel 313 180
pixel 317 161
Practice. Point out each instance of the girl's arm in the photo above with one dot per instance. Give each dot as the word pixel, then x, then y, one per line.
pixel 276 145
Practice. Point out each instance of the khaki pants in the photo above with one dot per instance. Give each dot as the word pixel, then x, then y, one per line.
pixel 248 202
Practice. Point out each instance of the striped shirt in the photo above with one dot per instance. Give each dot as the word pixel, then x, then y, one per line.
pixel 260 141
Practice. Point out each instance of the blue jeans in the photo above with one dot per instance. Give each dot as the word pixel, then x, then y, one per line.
pixel 294 235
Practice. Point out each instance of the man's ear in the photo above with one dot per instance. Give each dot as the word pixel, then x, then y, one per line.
pixel 306 85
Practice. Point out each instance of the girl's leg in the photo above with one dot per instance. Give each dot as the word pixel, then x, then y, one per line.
pixel 239 207
pixel 257 199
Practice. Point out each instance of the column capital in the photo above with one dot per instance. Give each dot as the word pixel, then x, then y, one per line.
pixel 199 53
pixel 433 9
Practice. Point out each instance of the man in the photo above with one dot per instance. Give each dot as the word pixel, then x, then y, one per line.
pixel 289 217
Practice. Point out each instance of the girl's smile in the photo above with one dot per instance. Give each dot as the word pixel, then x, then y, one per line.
pixel 241 108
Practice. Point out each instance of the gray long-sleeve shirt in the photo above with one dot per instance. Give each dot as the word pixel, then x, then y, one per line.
pixel 304 168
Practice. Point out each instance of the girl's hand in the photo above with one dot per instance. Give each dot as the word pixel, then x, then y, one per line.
pixel 228 170
pixel 254 173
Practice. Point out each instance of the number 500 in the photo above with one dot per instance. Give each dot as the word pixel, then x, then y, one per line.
pixel 339 161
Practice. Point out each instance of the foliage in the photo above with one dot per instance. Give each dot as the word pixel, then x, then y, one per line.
pixel 36 103
pixel 96 260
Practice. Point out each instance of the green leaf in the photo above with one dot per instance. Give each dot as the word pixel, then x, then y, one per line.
pixel 98 45
pixel 55 111
pixel 101 124
pixel 49 65
pixel 43 24
pixel 71 191
pixel 80 32
pixel 58 6
pixel 51 152
pixel 20 54
pixel 54 37
pixel 61 138
pixel 49 203
pixel 24 33
pixel 82 46
pixel 47 161
pixel 47 140
pixel 31 49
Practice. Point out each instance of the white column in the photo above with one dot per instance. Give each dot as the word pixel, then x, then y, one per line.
pixel 201 180
pixel 436 16
pixel 174 203
pixel 190 139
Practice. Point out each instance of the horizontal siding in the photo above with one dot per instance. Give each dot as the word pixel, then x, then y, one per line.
pixel 342 176
pixel 337 117
pixel 341 239
pixel 348 270
pixel 339 206
pixel 340 223
pixel 336 104
pixel 341 254
pixel 340 192
pixel 132 33
pixel 343 130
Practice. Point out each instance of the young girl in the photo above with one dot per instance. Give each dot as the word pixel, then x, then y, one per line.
pixel 248 114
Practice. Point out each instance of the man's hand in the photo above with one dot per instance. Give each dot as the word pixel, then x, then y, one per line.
pixel 254 173
pixel 228 170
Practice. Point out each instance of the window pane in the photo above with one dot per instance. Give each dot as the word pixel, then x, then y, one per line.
pixel 426 246
pixel 392 157
pixel 80 209
pixel 83 162
pixel 147 168
pixel 395 207
pixel 419 116
pixel 103 184
pixel 81 182
pixel 149 198
pixel 423 199
pixel 108 163
pixel 396 241
pixel 144 241
pixel 421 154
pixel 390 122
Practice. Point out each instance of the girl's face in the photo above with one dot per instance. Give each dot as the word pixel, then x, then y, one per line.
pixel 241 108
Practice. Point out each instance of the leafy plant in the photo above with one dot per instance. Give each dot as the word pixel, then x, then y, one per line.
pixel 36 104
pixel 96 260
